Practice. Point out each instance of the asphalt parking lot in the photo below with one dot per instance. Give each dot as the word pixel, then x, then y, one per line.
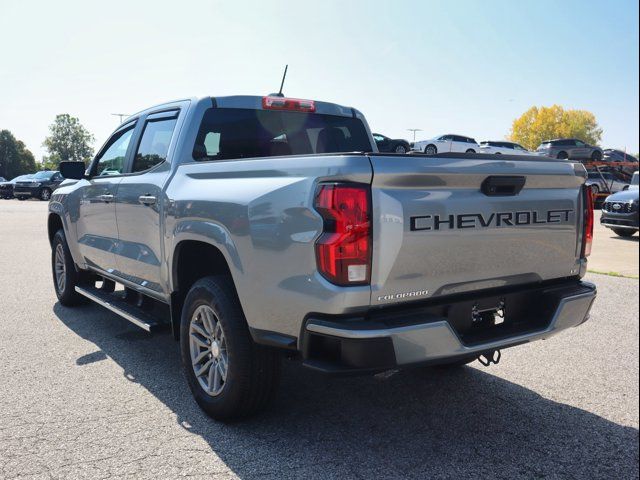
pixel 85 394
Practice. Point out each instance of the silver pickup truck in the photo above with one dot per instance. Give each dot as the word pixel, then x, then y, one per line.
pixel 259 226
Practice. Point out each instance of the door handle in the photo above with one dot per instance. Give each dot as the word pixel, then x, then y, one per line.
pixel 147 199
pixel 106 198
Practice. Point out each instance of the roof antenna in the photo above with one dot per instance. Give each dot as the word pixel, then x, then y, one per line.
pixel 279 94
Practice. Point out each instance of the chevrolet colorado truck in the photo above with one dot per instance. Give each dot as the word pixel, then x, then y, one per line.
pixel 259 226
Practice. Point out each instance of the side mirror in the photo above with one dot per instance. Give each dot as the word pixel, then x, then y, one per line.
pixel 73 170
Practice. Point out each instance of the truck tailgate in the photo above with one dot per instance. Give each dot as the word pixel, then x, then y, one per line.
pixel 437 230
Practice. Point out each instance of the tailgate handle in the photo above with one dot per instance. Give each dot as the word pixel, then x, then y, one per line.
pixel 500 186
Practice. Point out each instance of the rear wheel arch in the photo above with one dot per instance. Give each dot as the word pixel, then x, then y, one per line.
pixel 193 260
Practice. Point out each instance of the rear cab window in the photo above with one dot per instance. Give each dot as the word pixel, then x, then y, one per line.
pixel 233 133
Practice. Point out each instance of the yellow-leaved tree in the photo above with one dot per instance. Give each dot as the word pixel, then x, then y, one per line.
pixel 546 123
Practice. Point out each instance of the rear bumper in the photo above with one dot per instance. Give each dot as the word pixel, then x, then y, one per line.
pixel 354 345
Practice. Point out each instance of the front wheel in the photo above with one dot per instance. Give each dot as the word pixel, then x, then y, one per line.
pixel 65 275
pixel 229 375
pixel 596 156
pixel 563 156
pixel 45 194
pixel 430 150
pixel 470 150
pixel 623 232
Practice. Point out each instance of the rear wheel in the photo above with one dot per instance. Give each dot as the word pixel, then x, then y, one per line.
pixel 400 149
pixel 430 150
pixel 562 155
pixel 65 275
pixel 623 232
pixel 470 150
pixel 229 375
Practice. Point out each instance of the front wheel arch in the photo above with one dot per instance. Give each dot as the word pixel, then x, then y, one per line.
pixel 54 223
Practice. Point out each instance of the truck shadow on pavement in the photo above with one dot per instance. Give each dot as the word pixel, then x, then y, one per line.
pixel 417 423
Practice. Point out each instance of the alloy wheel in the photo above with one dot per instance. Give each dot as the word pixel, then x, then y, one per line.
pixel 208 347
pixel 60 268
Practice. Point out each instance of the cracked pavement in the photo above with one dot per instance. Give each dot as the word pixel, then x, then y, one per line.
pixel 86 395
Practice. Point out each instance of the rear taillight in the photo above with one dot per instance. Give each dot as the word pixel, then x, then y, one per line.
pixel 343 251
pixel 587 221
pixel 282 103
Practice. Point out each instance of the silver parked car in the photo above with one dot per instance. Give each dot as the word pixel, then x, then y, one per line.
pixel 605 182
pixel 564 148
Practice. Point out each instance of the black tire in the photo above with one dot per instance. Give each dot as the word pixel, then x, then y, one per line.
pixel 596 156
pixel 45 194
pixel 623 232
pixel 253 371
pixel 66 293
pixel 431 149
pixel 562 155
pixel 470 150
pixel 595 189
pixel 21 198
pixel 498 153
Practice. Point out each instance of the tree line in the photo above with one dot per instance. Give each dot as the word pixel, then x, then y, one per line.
pixel 68 139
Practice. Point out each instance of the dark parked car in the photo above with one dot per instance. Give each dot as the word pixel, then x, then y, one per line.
pixel 394 145
pixel 564 148
pixel 620 213
pixel 6 188
pixel 618 156
pixel 613 155
pixel 41 185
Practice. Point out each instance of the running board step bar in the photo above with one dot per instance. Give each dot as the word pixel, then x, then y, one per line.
pixel 118 305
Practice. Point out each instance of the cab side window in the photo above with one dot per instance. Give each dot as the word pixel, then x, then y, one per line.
pixel 111 159
pixel 154 144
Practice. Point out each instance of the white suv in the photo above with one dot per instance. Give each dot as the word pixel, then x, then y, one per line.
pixel 507 148
pixel 447 143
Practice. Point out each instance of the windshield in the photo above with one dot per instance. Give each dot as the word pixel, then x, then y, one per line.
pixel 634 179
pixel 43 175
pixel 227 133
pixel 544 146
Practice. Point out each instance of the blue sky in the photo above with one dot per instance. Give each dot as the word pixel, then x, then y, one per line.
pixel 468 67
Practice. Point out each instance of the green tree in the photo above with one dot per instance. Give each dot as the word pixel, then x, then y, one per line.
pixel 15 158
pixel 67 140
pixel 545 123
